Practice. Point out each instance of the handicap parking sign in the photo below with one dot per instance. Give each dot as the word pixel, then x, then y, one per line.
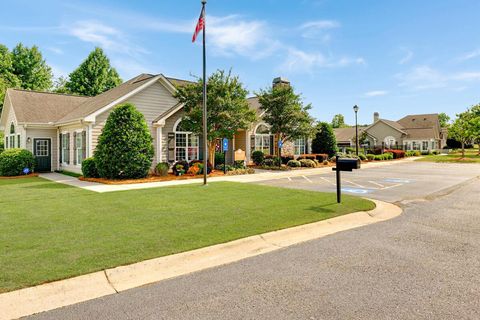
pixel 225 144
pixel 280 143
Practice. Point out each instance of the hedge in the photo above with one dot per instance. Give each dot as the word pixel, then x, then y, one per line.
pixel 14 161
pixel 89 168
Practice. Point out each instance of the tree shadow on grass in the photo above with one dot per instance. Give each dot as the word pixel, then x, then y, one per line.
pixel 323 208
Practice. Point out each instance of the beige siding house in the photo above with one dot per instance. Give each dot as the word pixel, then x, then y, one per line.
pixel 62 130
pixel 414 132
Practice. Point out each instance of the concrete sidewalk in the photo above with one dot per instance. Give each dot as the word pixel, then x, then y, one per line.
pixel 262 176
pixel 57 294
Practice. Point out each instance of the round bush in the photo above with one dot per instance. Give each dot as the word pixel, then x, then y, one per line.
pixel 294 163
pixel 362 157
pixel 89 168
pixel 13 161
pixel 209 165
pixel 307 163
pixel 370 157
pixel 258 157
pixel 125 148
pixel 162 169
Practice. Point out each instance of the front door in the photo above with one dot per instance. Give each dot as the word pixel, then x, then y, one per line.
pixel 42 150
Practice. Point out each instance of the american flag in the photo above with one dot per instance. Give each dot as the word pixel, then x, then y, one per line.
pixel 200 25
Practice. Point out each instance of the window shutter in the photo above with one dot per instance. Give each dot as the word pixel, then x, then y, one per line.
pixel 306 145
pixel 74 148
pixel 84 145
pixel 171 147
pixel 60 148
pixel 272 144
pixel 67 160
pixel 200 148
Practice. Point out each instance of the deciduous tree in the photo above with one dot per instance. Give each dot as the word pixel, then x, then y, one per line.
pixel 285 112
pixel 338 121
pixel 7 78
pixel 94 75
pixel 227 108
pixel 460 129
pixel 30 68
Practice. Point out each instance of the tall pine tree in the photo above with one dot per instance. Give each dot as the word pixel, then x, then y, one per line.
pixel 324 141
pixel 94 76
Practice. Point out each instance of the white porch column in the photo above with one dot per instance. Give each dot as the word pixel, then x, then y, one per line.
pixel 248 147
pixel 159 154
pixel 89 139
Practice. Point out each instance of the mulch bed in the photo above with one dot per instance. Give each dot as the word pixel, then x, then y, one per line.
pixel 152 178
pixel 31 175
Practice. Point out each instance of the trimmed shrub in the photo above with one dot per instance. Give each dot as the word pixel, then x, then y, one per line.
pixel 200 162
pixel 286 159
pixel 388 156
pixel 379 157
pixel 240 171
pixel 307 156
pixel 239 164
pixel 294 164
pixel 325 162
pixel 426 153
pixel 162 169
pixel 362 157
pixel 370 157
pixel 321 157
pixel 89 168
pixel 269 162
pixel 435 152
pixel 125 148
pixel 397 154
pixel 349 150
pixel 307 163
pixel 258 157
pixel 13 161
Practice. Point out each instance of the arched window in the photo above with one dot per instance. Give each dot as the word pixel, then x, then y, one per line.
pixel 263 138
pixel 10 139
pixel 12 128
pixel 186 143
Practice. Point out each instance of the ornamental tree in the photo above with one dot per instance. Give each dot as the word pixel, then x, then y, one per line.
pixel 227 108
pixel 324 141
pixel 460 130
pixel 30 68
pixel 285 112
pixel 125 149
pixel 338 121
pixel 94 75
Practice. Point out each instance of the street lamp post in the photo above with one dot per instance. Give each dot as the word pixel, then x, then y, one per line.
pixel 355 108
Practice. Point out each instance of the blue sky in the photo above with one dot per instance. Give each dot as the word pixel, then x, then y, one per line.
pixel 396 57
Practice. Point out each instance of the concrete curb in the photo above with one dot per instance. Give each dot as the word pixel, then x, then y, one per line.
pixel 61 293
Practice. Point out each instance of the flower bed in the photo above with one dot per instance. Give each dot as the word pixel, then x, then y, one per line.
pixel 152 178
pixel 30 175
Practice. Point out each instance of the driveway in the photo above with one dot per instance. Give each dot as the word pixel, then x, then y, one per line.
pixel 421 265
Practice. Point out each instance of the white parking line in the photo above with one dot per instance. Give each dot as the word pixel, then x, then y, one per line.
pixel 289 179
pixel 377 184
pixel 393 186
pixel 355 184
pixel 307 179
pixel 327 181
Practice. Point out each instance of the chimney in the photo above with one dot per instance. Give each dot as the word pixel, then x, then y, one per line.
pixel 376 116
pixel 280 81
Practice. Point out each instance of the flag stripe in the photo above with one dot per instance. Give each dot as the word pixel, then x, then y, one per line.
pixel 200 25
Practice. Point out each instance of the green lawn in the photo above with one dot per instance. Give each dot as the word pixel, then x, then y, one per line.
pixel 50 231
pixel 471 156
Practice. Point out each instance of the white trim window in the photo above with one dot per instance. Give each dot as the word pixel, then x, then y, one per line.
pixel 10 138
pixel 65 148
pixel 424 145
pixel 262 139
pixel 186 144
pixel 79 147
pixel 299 146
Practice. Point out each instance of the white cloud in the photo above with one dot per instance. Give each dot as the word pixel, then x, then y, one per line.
pixel 470 55
pixel 376 93
pixel 55 50
pixel 104 36
pixel 302 61
pixel 408 55
pixel 425 77
pixel 421 78
pixel 318 29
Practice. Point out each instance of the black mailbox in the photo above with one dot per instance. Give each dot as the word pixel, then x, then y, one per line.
pixel 347 164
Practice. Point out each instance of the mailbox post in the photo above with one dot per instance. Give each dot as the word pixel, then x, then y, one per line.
pixel 343 164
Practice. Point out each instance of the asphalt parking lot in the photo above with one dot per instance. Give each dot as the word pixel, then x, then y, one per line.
pixel 393 183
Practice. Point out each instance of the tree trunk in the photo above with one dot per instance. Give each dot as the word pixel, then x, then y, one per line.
pixel 463 149
pixel 211 152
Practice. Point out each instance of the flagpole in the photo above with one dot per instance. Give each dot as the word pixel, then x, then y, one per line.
pixel 205 137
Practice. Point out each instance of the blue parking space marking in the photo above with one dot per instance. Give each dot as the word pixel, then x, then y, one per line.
pixel 395 180
pixel 355 190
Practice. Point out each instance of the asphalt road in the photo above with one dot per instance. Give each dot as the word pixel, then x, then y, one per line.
pixel 422 265
pixel 393 183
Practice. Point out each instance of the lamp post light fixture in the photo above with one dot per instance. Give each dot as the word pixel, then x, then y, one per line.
pixel 355 108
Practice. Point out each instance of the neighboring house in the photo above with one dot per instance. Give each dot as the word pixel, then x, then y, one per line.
pixel 62 130
pixel 413 132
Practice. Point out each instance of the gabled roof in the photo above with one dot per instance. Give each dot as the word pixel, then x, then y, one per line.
pixel 95 103
pixel 347 134
pixel 255 105
pixel 42 107
pixel 420 121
